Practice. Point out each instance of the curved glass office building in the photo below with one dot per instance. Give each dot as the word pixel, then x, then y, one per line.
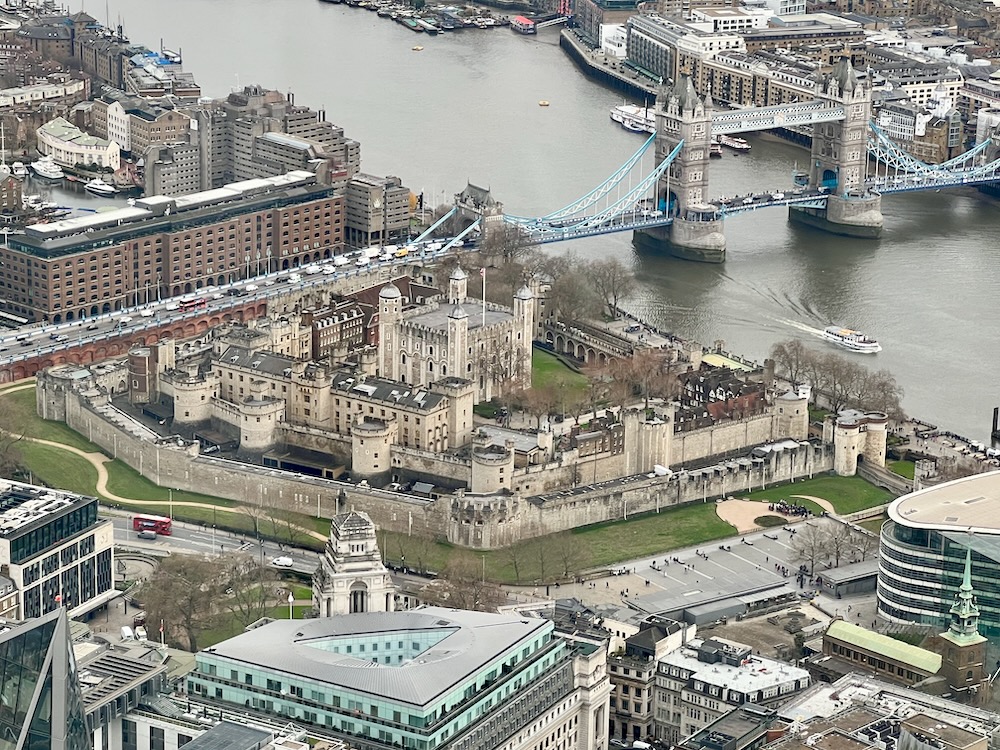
pixel 922 552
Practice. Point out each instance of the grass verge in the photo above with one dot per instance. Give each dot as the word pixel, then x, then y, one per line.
pixel 903 468
pixel 845 494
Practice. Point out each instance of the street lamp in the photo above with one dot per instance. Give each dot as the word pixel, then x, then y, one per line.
pixel 170 500
pixel 290 600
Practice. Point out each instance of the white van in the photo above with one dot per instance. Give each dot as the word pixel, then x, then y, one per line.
pixel 294 278
pixel 127 634
pixel 363 260
pixel 371 252
pixel 140 634
pixel 341 260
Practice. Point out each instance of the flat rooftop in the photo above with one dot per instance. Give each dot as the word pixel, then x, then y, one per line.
pixel 22 505
pixel 442 649
pixel 758 673
pixel 969 504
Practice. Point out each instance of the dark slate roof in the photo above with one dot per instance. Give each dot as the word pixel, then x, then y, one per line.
pixel 353 522
pixel 402 395
pixel 273 364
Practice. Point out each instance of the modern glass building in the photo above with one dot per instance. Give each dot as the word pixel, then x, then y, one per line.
pixel 57 552
pixel 40 703
pixel 421 679
pixel 923 547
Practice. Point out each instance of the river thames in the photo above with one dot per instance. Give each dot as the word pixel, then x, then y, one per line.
pixel 466 108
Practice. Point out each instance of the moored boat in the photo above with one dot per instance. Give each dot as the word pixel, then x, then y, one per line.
pixel 635 119
pixel 47 169
pixel 412 25
pixel 715 151
pixel 853 340
pixel 99 187
pixel 18 170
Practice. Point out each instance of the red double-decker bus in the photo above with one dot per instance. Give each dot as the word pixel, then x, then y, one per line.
pixel 160 524
pixel 187 303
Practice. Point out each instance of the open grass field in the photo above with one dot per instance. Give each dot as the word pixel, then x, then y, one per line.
pixel 548 370
pixel 905 469
pixel 846 494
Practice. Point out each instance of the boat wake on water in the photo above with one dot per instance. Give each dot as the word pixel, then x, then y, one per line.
pixel 805 328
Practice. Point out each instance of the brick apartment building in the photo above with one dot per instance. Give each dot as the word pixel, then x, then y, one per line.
pixel 165 246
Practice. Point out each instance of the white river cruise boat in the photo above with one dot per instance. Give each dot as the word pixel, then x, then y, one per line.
pixel 853 340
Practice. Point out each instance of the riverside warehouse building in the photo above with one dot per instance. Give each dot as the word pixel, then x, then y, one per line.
pixel 421 679
pixel 922 552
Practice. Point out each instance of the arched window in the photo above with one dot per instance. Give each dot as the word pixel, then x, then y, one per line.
pixel 444 370
pixel 402 358
pixel 430 366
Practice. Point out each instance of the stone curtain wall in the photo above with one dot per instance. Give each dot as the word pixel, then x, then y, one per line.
pixel 483 523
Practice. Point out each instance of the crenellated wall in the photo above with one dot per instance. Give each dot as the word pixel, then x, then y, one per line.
pixel 480 521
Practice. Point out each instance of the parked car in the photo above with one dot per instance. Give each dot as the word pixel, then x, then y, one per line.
pixel 147 534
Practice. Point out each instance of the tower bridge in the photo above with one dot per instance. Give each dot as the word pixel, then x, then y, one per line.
pixel 669 209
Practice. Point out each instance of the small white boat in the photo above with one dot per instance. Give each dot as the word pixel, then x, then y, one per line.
pixel 18 170
pixel 853 340
pixel 47 169
pixel 97 186
pixel 736 144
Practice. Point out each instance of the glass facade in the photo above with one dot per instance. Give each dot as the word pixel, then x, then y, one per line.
pixel 54 530
pixel 511 689
pixel 920 571
pixel 41 707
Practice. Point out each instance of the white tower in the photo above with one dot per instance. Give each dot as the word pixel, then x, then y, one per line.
pixel 351 577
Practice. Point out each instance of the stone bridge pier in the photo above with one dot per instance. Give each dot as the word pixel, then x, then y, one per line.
pixel 839 160
pixel 682 192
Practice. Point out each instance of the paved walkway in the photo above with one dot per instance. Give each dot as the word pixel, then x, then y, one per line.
pixel 98 461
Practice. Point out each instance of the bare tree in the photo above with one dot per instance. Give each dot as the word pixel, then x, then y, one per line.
pixel 181 595
pixel 538 402
pixel 612 281
pixel 810 546
pixel 10 438
pixel 842 381
pixel 250 588
pixel 505 244
pixel 839 540
pixel 503 364
pixel 570 296
pixel 464 586
pixel 567 551
pixel 513 556
pixel 865 543
pixel 542 553
pixel 790 359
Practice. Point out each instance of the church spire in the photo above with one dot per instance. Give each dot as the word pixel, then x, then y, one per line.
pixel 964 625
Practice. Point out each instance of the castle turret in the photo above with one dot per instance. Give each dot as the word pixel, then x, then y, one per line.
pixel 390 310
pixel 524 327
pixel 458 286
pixel 458 340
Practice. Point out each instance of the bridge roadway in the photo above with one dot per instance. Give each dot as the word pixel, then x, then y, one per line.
pixel 645 218
pixel 27 343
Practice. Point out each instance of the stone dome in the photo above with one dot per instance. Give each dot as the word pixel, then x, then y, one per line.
pixel 390 291
pixel 524 293
pixel 458 274
pixel 458 312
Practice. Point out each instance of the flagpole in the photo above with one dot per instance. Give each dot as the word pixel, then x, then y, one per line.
pixel 482 272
